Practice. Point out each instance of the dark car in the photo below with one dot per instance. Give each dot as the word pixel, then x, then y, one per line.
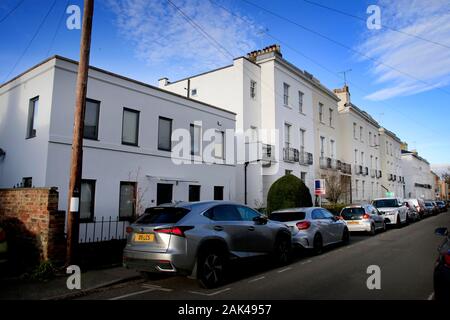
pixel 442 206
pixel 441 277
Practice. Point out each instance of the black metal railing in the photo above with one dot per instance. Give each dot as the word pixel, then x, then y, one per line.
pixel 103 229
pixel 291 154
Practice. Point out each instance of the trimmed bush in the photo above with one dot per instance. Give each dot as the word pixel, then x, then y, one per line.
pixel 334 208
pixel 288 192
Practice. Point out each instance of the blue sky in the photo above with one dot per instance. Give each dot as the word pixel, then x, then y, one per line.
pixel 405 87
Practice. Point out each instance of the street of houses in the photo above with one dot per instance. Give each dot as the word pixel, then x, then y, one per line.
pixel 129 163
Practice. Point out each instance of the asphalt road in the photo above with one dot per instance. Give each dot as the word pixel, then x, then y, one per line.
pixel 405 256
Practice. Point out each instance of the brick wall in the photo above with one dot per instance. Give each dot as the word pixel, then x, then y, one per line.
pixel 34 226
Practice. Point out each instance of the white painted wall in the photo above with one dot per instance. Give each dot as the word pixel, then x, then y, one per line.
pixel 46 158
pixel 25 157
pixel 416 171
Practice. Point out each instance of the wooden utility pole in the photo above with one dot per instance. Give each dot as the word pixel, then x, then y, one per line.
pixel 78 128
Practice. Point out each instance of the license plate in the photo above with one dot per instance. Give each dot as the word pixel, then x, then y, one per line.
pixel 353 222
pixel 144 237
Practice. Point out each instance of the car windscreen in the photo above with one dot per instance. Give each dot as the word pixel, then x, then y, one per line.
pixel 162 215
pixel 352 213
pixel 428 204
pixel 385 203
pixel 287 216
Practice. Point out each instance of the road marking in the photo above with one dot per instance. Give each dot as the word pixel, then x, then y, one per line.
pixel 280 271
pixel 210 294
pixel 431 296
pixel 133 294
pixel 151 286
pixel 305 262
pixel 257 279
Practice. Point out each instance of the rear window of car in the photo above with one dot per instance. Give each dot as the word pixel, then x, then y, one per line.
pixel 162 215
pixel 428 204
pixel 385 203
pixel 287 216
pixel 352 213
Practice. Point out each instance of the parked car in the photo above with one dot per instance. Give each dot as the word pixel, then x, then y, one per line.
pixel 430 208
pixel 3 247
pixel 419 204
pixel 413 213
pixel 199 238
pixel 441 276
pixel 393 209
pixel 363 217
pixel 312 228
pixel 442 206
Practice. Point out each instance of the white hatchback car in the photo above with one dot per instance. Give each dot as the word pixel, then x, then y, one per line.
pixel 363 217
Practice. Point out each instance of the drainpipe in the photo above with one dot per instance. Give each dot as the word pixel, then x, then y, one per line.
pixel 188 88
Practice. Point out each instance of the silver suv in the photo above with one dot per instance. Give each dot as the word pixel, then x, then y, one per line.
pixel 199 239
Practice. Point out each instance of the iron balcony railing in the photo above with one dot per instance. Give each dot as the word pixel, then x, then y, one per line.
pixel 305 158
pixel 379 175
pixel 358 169
pixel 346 168
pixel 291 154
pixel 373 173
pixel 268 152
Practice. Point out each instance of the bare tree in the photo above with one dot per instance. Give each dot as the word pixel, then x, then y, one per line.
pixel 336 187
pixel 140 191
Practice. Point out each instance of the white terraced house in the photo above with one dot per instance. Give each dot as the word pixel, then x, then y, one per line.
pixel 127 163
pixel 419 182
pixel 359 134
pixel 267 92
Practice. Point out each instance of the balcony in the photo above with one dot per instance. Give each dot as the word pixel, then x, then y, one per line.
pixel 323 163
pixel 379 175
pixel 267 152
pixel 290 155
pixel 329 163
pixel 390 177
pixel 346 168
pixel 373 173
pixel 394 178
pixel 365 171
pixel 306 158
pixel 358 169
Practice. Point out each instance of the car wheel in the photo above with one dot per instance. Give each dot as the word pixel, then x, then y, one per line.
pixel 211 268
pixel 317 244
pixel 372 230
pixel 384 226
pixel 346 236
pixel 282 250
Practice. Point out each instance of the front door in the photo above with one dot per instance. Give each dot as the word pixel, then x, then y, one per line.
pixel 164 193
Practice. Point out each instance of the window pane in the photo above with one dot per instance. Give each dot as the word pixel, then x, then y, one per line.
pixel 218 148
pixel 218 193
pixel 127 192
pixel 130 127
pixel 226 213
pixel 91 119
pixel 247 214
pixel 194 193
pixel 32 117
pixel 195 139
pixel 87 199
pixel 164 134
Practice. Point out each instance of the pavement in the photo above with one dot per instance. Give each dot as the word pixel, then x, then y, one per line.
pixel 405 257
pixel 56 288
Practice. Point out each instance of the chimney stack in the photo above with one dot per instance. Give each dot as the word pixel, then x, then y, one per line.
pixel 275 48
pixel 163 82
pixel 344 95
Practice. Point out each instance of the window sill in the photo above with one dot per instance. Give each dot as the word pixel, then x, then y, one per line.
pixel 287 106
pixel 30 137
pixel 130 144
pixel 162 149
pixel 91 139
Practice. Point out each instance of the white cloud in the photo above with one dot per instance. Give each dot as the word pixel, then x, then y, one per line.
pixel 162 37
pixel 421 59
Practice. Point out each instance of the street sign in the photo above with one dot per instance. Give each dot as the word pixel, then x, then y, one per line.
pixel 319 187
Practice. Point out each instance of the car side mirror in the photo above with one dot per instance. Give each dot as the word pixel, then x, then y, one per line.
pixel 443 231
pixel 260 220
